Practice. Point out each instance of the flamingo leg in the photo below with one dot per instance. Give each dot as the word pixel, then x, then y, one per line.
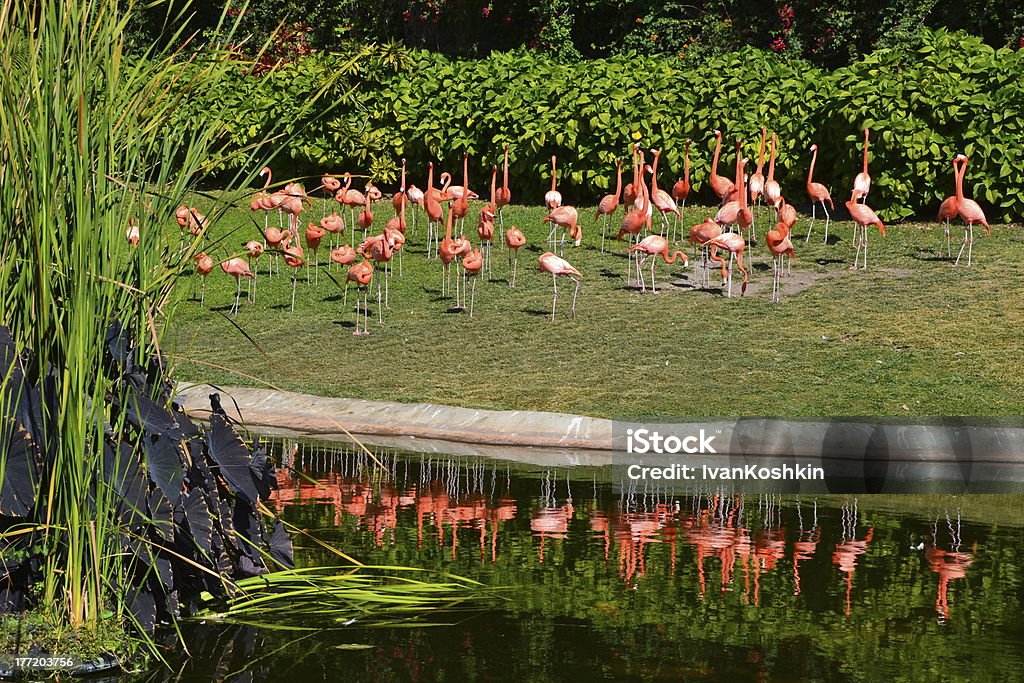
pixel 202 296
pixel 574 293
pixel 472 299
pixel 865 266
pixel 970 244
pixel 293 290
pixel 554 300
pixel 515 268
pixel 366 310
pixel 380 309
pixel 238 293
pixel 827 219
pixel 814 212
pixel 604 230
pixel 654 261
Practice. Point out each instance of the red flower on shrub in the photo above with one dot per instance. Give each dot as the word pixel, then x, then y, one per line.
pixel 406 15
pixel 778 45
pixel 485 12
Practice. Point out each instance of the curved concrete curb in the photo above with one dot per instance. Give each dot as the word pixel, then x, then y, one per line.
pixel 315 416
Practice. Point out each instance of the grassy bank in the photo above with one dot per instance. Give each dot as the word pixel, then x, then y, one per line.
pixel 911 336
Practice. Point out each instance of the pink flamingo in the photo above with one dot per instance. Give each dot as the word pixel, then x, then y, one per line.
pixel 204 266
pixel 735 245
pixel 553 198
pixel 610 202
pixel 504 195
pixel 253 250
pixel 654 246
pixel 862 183
pixel 970 212
pixel 818 194
pixel 723 187
pixel 772 191
pixel 514 240
pixel 237 268
pixel 661 199
pixel 549 263
pixel 565 217
pixel 863 216
pixel 947 210
pixel 361 274
pixel 681 188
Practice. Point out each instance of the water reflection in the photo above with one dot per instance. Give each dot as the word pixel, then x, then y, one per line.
pixel 610 582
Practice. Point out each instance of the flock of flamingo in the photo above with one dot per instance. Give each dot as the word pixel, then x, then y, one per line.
pixel 640 199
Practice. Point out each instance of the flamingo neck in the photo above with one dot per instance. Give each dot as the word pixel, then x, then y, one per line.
pixel 771 161
pixel 494 183
pixel 714 160
pixel 553 174
pixel 865 152
pixel 675 256
pixel 504 179
pixel 686 162
pixel 960 180
pixel 810 171
pixel 618 179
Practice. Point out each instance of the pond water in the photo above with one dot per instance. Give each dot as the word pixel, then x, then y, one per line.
pixel 601 582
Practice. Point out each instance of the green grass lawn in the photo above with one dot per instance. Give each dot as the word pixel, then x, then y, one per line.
pixel 910 336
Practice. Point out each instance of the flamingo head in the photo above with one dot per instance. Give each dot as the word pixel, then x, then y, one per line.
pixel 718 133
pixel 814 148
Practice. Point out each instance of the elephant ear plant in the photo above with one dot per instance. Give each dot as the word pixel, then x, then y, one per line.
pixel 112 508
pixel 115 509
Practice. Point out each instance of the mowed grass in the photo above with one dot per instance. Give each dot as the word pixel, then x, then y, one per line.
pixel 909 336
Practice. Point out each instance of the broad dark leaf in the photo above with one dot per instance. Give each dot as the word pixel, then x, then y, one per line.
pixel 163 462
pixel 161 514
pixel 226 449
pixel 119 345
pixel 281 545
pixel 20 476
pixel 125 476
pixel 200 523
pixel 151 417
pixel 262 469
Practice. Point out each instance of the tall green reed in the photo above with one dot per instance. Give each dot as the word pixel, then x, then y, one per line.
pixel 87 142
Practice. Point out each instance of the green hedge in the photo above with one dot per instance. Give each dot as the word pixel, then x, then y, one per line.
pixel 951 93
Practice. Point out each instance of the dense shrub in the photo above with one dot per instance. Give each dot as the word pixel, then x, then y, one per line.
pixel 826 32
pixel 951 93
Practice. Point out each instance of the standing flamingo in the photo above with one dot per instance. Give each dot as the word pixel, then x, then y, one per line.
pixel 818 194
pixel 700 235
pixel 380 249
pixel 361 274
pixel 653 246
pixel 780 246
pixel 514 240
pixel 632 190
pixel 947 210
pixel 863 216
pixel 472 262
pixel 254 249
pixel 729 213
pixel 862 183
pixel 314 235
pixel 661 199
pixel 970 212
pixel 329 184
pixel 294 258
pixel 553 198
pixel 772 191
pixel 344 255
pixel 432 207
pixel 723 187
pixel 237 268
pixel 415 195
pixel 757 179
pixel 735 245
pixel 399 197
pixel 204 266
pixel 610 202
pixel 485 224
pixel 565 217
pixel 681 188
pixel 334 224
pixel 504 196
pixel 460 205
pixel 549 263
pixel 634 221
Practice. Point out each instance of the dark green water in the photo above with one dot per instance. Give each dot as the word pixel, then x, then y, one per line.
pixel 607 584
